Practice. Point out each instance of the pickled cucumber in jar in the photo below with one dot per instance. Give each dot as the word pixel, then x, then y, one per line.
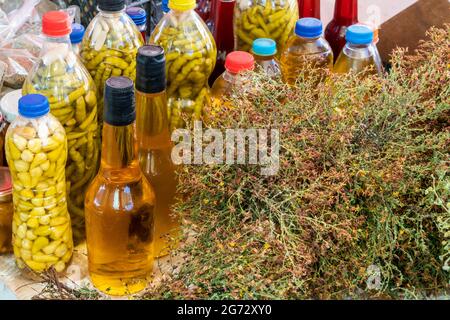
pixel 36 151
pixel 110 44
pixel 190 59
pixel 61 77
pixel 273 19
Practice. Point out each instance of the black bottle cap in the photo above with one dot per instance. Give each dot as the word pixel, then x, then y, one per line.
pixel 111 5
pixel 150 69
pixel 120 107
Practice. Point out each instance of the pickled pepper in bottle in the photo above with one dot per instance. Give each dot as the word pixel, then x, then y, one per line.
pixel 120 202
pixel 273 19
pixel 359 55
pixel 345 15
pixel 36 150
pixel 61 77
pixel 154 143
pixel 306 50
pixel 190 59
pixel 110 44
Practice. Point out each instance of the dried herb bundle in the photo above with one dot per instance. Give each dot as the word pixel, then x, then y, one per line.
pixel 360 205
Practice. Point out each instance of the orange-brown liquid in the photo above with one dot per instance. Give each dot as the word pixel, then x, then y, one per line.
pixel 120 213
pixel 154 148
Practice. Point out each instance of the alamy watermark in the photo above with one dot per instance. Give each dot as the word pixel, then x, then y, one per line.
pixel 229 146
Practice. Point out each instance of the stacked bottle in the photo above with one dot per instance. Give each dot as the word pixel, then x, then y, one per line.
pixel 36 150
pixel 359 55
pixel 61 77
pixel 273 19
pixel 306 50
pixel 236 64
pixel 76 36
pixel 154 143
pixel 264 51
pixel 120 202
pixel 110 44
pixel 309 8
pixel 139 17
pixel 190 59
pixel 345 15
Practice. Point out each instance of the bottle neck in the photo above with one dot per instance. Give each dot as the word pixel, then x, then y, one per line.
pixel 346 11
pixel 60 44
pixel 111 14
pixel 119 149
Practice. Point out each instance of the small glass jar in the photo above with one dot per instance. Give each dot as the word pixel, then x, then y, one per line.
pixel 6 211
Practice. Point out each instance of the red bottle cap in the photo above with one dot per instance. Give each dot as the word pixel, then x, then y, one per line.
pixel 238 61
pixel 56 24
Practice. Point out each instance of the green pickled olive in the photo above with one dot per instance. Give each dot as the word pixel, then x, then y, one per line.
pixel 39 194
pixel 274 19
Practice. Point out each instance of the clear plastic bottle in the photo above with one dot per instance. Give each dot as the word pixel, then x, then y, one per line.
pixel 264 51
pixel 155 145
pixel 306 49
pixel 62 78
pixel 120 202
pixel 273 19
pixel 236 63
pixel 76 36
pixel 36 150
pixel 359 54
pixel 190 59
pixel 110 44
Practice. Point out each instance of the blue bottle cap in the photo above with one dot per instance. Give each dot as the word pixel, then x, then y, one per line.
pixel 309 28
pixel 264 47
pixel 77 33
pixel 165 6
pixel 138 15
pixel 359 34
pixel 33 106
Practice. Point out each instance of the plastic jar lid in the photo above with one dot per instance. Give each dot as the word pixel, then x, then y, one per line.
pixel 165 6
pixel 264 47
pixel 9 105
pixel 33 106
pixel 238 61
pixel 5 185
pixel 182 5
pixel 138 15
pixel 56 24
pixel 309 28
pixel 77 33
pixel 359 34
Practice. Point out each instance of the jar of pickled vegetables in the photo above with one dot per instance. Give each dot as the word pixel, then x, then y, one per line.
pixel 273 19
pixel 190 59
pixel 110 44
pixel 62 78
pixel 36 150
pixel 6 210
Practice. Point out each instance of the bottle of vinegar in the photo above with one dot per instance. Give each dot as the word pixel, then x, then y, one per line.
pixel 120 202
pixel 154 143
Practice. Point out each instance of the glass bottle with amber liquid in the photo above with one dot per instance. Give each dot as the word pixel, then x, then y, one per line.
pixel 120 202
pixel 154 143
